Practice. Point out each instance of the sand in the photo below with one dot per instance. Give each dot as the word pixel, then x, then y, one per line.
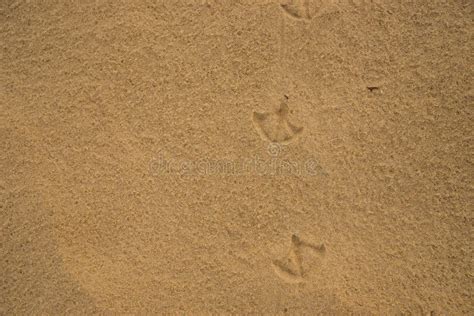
pixel 246 157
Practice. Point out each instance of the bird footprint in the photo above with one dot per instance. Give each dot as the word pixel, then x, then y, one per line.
pixel 291 269
pixel 275 126
pixel 298 9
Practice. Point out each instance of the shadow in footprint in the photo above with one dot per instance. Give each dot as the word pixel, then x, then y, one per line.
pixel 275 126
pixel 298 9
pixel 291 271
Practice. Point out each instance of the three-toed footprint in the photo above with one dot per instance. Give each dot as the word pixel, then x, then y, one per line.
pixel 275 126
pixel 291 269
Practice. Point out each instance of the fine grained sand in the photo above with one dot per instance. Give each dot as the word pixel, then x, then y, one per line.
pixel 265 157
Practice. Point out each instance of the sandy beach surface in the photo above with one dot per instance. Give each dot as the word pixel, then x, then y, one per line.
pixel 293 157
